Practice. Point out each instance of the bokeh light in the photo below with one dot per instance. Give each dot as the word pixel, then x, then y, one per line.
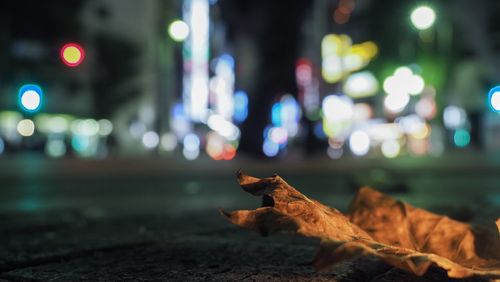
pixel 2 146
pixel 362 112
pixel 196 55
pixel 334 153
pixel 494 99
pixel 361 84
pixel 223 127
pixel 404 81
pixel 359 143
pixel 26 127
pixel 390 148
pixel 30 97
pixel 72 54
pixel 55 147
pixel 240 106
pixel 229 152
pixel 105 127
pixel 168 141
pixel 396 103
pixel 423 17
pixel 386 109
pixel 347 5
pixel 150 139
pixel 57 124
pixel 337 108
pixel 421 132
pixel 270 148
pixel 461 137
pixel 85 127
pixel 380 132
pixel 222 86
pixel 179 121
pixel 137 129
pixel 278 135
pixel 290 114
pixel 338 113
pixel 454 117
pixel 340 16
pixel 191 143
pixel 215 146
pixel 81 144
pixel 178 30
pixel 426 107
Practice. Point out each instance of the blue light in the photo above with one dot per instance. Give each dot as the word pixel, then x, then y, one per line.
pixel 290 109
pixel 290 115
pixel 227 59
pixel 178 110
pixel 318 131
pixel 267 129
pixel 80 143
pixel 276 114
pixel 240 106
pixel 494 99
pixel 283 145
pixel 30 97
pixel 270 148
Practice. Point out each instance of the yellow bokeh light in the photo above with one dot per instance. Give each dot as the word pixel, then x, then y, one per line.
pixel 390 148
pixel 26 127
pixel 340 56
pixel 421 133
pixel 72 54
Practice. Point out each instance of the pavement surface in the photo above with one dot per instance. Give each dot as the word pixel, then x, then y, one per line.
pixel 155 221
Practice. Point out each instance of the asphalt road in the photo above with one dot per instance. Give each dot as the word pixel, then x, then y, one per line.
pixel 155 221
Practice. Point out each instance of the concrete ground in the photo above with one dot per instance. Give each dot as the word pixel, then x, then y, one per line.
pixel 147 220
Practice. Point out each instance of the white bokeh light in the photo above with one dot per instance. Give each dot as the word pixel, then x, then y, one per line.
pixel 191 149
pixel 423 17
pixel 404 81
pixel 178 30
pixel 495 101
pixel 168 141
pixel 396 103
pixel 359 143
pixel 105 127
pixel 361 84
pixel 30 100
pixel 150 139
pixel 337 108
pixel 454 117
pixel 390 148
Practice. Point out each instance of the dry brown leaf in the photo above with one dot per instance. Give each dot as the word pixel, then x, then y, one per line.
pixel 399 234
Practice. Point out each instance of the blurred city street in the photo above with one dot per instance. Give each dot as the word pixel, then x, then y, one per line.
pixel 123 122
